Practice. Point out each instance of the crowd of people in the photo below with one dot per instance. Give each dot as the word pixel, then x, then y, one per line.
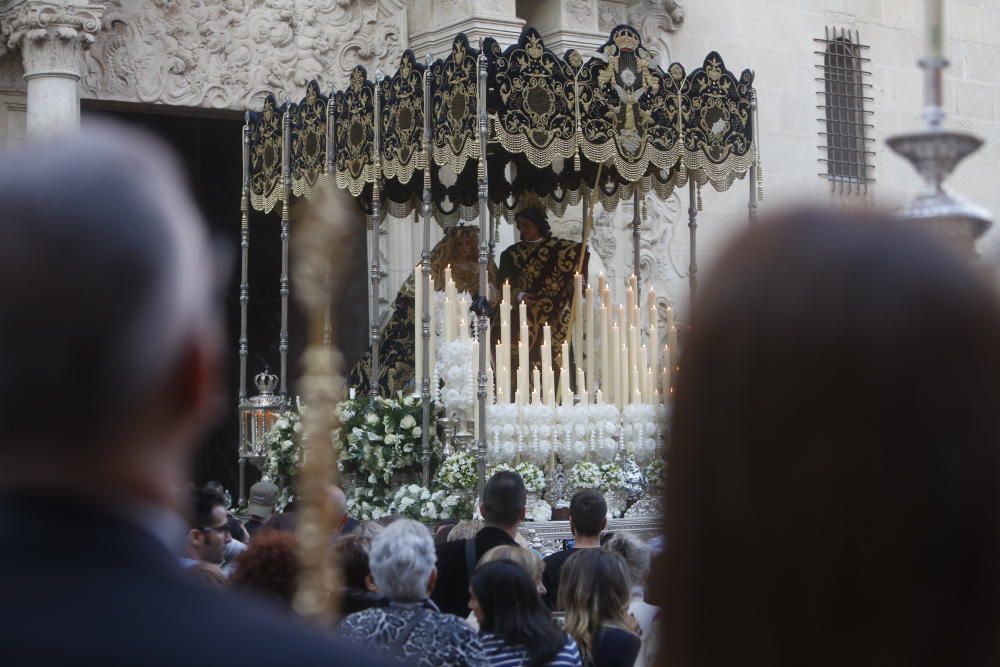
pixel 480 596
pixel 833 469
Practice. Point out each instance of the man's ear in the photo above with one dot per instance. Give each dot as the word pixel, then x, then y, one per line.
pixel 370 583
pixel 432 581
pixel 482 510
pixel 195 538
pixel 604 523
pixel 572 526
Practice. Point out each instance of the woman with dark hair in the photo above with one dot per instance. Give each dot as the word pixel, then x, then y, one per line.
pixel 594 591
pixel 845 509
pixel 359 591
pixel 515 626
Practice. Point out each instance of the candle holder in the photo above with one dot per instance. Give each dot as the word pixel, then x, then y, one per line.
pixel 463 438
pixel 934 154
pixel 448 426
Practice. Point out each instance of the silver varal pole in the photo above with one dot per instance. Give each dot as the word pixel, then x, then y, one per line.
pixel 636 237
pixel 752 203
pixel 425 284
pixel 484 230
pixel 244 293
pixel 693 229
pixel 376 218
pixel 286 195
pixel 330 139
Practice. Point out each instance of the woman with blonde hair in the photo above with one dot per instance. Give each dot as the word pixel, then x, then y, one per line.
pixel 595 594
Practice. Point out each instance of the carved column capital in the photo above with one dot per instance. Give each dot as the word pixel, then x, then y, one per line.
pixel 51 35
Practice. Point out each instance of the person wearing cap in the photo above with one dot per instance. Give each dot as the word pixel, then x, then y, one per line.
pixel 539 269
pixel 263 498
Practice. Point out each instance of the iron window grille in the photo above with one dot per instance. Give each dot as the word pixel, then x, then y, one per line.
pixel 846 149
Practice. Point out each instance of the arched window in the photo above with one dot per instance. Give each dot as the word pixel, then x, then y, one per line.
pixel 846 151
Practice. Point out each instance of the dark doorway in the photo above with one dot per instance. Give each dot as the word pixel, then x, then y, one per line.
pixel 210 151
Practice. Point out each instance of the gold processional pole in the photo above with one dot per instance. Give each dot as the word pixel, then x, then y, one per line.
pixel 321 253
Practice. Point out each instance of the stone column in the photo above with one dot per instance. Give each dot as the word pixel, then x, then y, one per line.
pixel 51 36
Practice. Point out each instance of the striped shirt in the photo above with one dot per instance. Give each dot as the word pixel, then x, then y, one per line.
pixel 502 654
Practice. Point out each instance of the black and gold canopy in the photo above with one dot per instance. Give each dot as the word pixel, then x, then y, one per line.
pixel 558 127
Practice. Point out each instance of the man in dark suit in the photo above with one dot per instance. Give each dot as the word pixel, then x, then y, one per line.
pixel 110 354
pixel 502 508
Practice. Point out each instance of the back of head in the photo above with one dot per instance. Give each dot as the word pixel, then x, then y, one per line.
pixel 589 511
pixel 464 529
pixel 845 508
pixel 512 609
pixel 529 561
pixel 402 559
pixel 106 275
pixel 594 591
pixel 269 566
pixel 636 554
pixel 352 555
pixel 504 498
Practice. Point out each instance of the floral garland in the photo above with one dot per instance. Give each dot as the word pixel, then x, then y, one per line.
pixel 655 474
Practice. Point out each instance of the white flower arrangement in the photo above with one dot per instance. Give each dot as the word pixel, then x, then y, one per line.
pixel 456 369
pixel 604 420
pixel 612 477
pixel 507 438
pixel 382 439
pixel 459 472
pixel 284 453
pixel 532 475
pixel 641 431
pixel 539 511
pixel 655 475
pixel 365 505
pixel 586 475
pixel 418 502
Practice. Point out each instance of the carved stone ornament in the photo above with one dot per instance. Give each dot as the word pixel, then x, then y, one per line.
pixel 653 18
pixel 230 53
pixel 51 36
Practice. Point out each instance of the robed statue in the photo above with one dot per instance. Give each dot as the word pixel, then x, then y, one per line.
pixel 540 269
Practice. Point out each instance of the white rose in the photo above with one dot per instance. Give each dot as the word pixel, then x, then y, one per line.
pixel 371 418
pixel 407 422
pixel 286 445
pixel 417 431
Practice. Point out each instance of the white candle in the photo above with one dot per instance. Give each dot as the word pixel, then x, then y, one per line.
pixel 599 397
pixel 670 317
pixel 418 322
pixel 666 373
pixel 623 370
pixel 536 386
pixel 546 360
pixel 650 382
pixel 672 342
pixel 577 317
pixel 629 306
pixel 605 356
pixel 564 389
pixel 633 354
pixel 612 351
pixel 636 392
pixel 654 351
pixel 434 338
pixel 500 371
pixel 590 338
pixel 449 316
pixel 601 283
pixel 522 368
pixel 581 386
pixel 463 332
pixel 506 292
pixel 646 390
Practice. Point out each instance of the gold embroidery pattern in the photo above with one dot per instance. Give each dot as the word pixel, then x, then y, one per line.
pixel 355 133
pixel 403 121
pixel 453 104
pixel 265 156
pixel 308 140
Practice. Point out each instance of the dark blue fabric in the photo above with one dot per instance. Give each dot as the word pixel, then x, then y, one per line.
pixel 84 587
pixel 614 647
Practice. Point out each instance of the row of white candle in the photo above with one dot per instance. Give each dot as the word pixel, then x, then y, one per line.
pixel 631 372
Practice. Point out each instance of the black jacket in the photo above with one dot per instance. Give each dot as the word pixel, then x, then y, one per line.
pixel 451 594
pixel 84 587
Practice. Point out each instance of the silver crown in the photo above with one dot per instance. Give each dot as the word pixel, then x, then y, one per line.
pixel 266 382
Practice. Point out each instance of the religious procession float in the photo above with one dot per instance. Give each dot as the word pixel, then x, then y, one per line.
pixel 526 362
